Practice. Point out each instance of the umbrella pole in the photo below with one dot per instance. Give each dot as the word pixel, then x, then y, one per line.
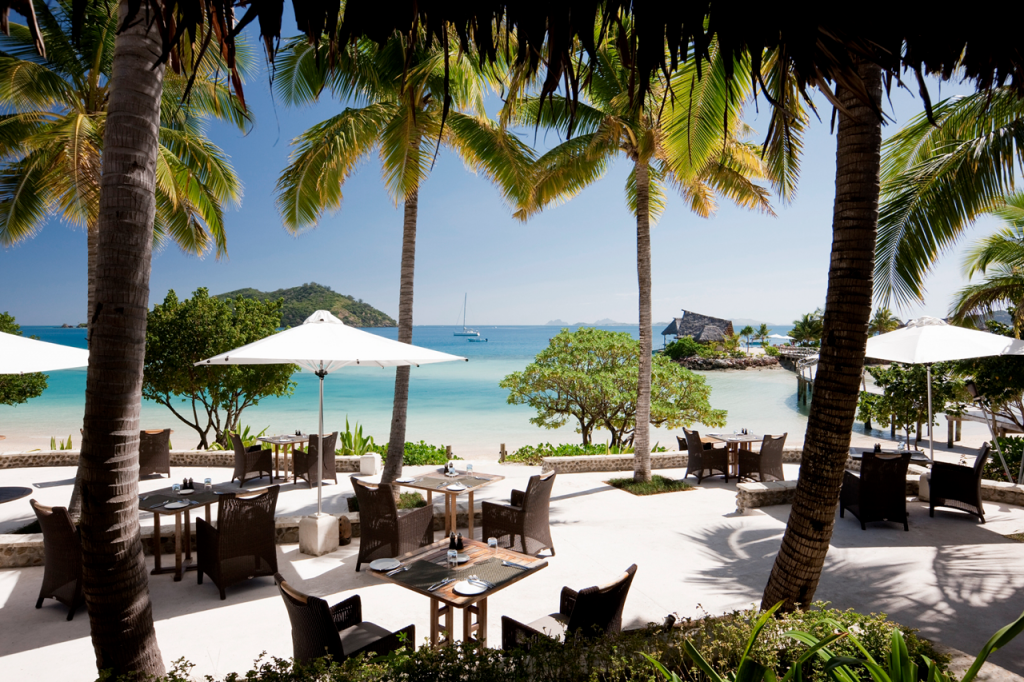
pixel 931 431
pixel 320 446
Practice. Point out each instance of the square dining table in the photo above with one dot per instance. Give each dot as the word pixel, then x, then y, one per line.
pixel 155 502
pixel 736 442
pixel 439 482
pixel 283 443
pixel 427 566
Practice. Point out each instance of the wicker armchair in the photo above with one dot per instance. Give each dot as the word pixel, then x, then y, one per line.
pixel 305 461
pixel 384 532
pixel 526 518
pixel 251 460
pixel 594 611
pixel 766 464
pixel 62 547
pixel 154 452
pixel 879 493
pixel 703 457
pixel 337 631
pixel 956 486
pixel 242 545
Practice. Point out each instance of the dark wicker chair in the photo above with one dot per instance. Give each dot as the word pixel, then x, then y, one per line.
pixel 242 545
pixel 526 518
pixel 879 493
pixel 154 452
pixel 305 461
pixel 383 531
pixel 337 631
pixel 62 547
pixel 592 612
pixel 701 457
pixel 766 464
pixel 251 460
pixel 956 486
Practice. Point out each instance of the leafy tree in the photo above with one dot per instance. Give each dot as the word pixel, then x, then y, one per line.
pixel 590 375
pixel 180 333
pixel 883 322
pixel 402 97
pixel 18 388
pixel 905 394
pixel 1000 379
pixel 685 347
pixel 747 332
pixel 762 333
pixel 808 329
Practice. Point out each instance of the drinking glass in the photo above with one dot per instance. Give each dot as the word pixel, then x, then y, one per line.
pixel 208 484
pixel 176 488
pixel 453 558
pixel 492 544
pixel 469 468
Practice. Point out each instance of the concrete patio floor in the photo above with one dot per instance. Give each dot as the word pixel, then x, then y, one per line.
pixel 955 580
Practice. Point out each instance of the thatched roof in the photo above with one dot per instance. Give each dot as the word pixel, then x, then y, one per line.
pixel 710 334
pixel 693 324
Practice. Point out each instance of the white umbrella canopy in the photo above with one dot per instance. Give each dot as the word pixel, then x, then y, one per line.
pixel 928 340
pixel 323 343
pixel 779 336
pixel 22 355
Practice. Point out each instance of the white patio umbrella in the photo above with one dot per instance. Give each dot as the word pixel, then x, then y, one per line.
pixel 927 340
pixel 22 355
pixel 323 343
pixel 779 336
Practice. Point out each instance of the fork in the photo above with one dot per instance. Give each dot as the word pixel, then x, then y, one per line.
pixel 397 570
pixel 479 581
pixel 437 586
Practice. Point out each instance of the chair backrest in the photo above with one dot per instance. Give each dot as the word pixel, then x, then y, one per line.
pixel 154 441
pixel 60 538
pixel 883 479
pixel 694 445
pixel 239 446
pixel 771 450
pixel 313 631
pixel 979 462
pixel 682 443
pixel 537 499
pixel 330 443
pixel 238 516
pixel 598 610
pixel 377 509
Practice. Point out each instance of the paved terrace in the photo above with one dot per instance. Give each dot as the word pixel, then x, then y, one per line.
pixel 954 579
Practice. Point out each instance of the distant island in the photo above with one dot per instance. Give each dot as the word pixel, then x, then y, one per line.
pixel 301 302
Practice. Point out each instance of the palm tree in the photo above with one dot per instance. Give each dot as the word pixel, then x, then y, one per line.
pixel 683 146
pixel 747 332
pixel 883 322
pixel 938 178
pixel 402 97
pixel 1000 257
pixel 51 138
pixel 807 330
pixel 762 334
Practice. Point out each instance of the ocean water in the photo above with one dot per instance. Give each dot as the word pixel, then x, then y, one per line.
pixel 458 403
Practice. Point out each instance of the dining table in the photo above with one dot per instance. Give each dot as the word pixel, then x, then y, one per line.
pixel 283 442
pixel 916 456
pixel 156 503
pixel 451 486
pixel 425 571
pixel 736 441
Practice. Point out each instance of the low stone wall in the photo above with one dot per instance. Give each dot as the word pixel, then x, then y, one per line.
pixel 707 364
pixel 673 459
pixel 179 458
pixel 991 491
pixel 750 495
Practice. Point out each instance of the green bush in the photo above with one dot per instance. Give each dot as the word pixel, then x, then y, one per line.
pixel 533 454
pixel 771 351
pixel 719 641
pixel 685 347
pixel 1013 450
pixel 405 501
pixel 418 454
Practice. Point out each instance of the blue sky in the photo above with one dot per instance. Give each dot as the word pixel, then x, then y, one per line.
pixel 575 262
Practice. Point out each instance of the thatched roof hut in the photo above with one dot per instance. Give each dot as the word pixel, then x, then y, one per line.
pixel 711 334
pixel 696 325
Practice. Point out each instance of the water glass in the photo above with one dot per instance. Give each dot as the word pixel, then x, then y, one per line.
pixel 453 558
pixel 176 489
pixel 469 468
pixel 492 544
pixel 208 484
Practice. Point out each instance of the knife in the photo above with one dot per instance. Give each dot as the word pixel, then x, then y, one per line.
pixel 515 565
pixel 437 586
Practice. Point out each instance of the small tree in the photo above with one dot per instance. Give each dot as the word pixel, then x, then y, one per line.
pixel 762 334
pixel 746 333
pixel 18 388
pixel 1000 378
pixel 591 376
pixel 180 333
pixel 807 330
pixel 905 394
pixel 883 322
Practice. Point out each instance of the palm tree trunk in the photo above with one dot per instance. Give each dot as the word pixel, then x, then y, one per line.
pixel 92 245
pixel 400 409
pixel 794 577
pixel 642 435
pixel 114 570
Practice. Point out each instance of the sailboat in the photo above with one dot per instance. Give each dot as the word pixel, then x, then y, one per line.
pixel 465 330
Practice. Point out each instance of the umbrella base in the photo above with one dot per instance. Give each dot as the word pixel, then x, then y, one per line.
pixel 318 535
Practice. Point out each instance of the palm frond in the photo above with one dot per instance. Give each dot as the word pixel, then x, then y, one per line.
pixel 1005 247
pixel 1002 288
pixel 503 157
pixel 566 170
pixel 657 199
pixel 25 196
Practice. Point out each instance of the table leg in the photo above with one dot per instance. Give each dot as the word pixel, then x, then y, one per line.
pixel 177 548
pixel 470 523
pixel 156 545
pixel 475 630
pixel 448 514
pixel 188 537
pixel 441 633
pixel 277 462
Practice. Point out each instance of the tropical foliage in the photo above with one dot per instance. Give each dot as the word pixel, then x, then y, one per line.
pixel 18 388
pixel 590 376
pixel 747 333
pixel 181 333
pixel 905 395
pixel 883 322
pixel 535 454
pixel 302 301
pixel 808 329
pixel 999 379
pixel 761 334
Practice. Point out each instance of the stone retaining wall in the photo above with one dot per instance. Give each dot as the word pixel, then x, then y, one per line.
pixel 674 459
pixel 750 495
pixel 708 364
pixel 179 458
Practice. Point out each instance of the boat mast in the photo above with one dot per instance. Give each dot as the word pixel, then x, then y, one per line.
pixel 465 299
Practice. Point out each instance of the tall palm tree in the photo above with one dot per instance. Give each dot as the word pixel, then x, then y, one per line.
pixel 401 101
pixel 937 179
pixel 682 144
pixel 51 138
pixel 748 333
pixel 762 333
pixel 1000 258
pixel 883 322
pixel 807 330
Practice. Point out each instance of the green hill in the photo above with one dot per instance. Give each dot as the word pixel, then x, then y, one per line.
pixel 301 302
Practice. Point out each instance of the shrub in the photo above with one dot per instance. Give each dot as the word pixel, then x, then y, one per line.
pixel 405 501
pixel 771 351
pixel 1013 450
pixel 418 454
pixel 685 347
pixel 533 454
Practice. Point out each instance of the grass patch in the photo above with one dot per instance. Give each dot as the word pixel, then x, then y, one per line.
pixel 405 501
pixel 1019 537
pixel 534 454
pixel 656 486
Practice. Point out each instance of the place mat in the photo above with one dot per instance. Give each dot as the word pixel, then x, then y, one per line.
pixel 435 480
pixel 154 502
pixel 423 574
